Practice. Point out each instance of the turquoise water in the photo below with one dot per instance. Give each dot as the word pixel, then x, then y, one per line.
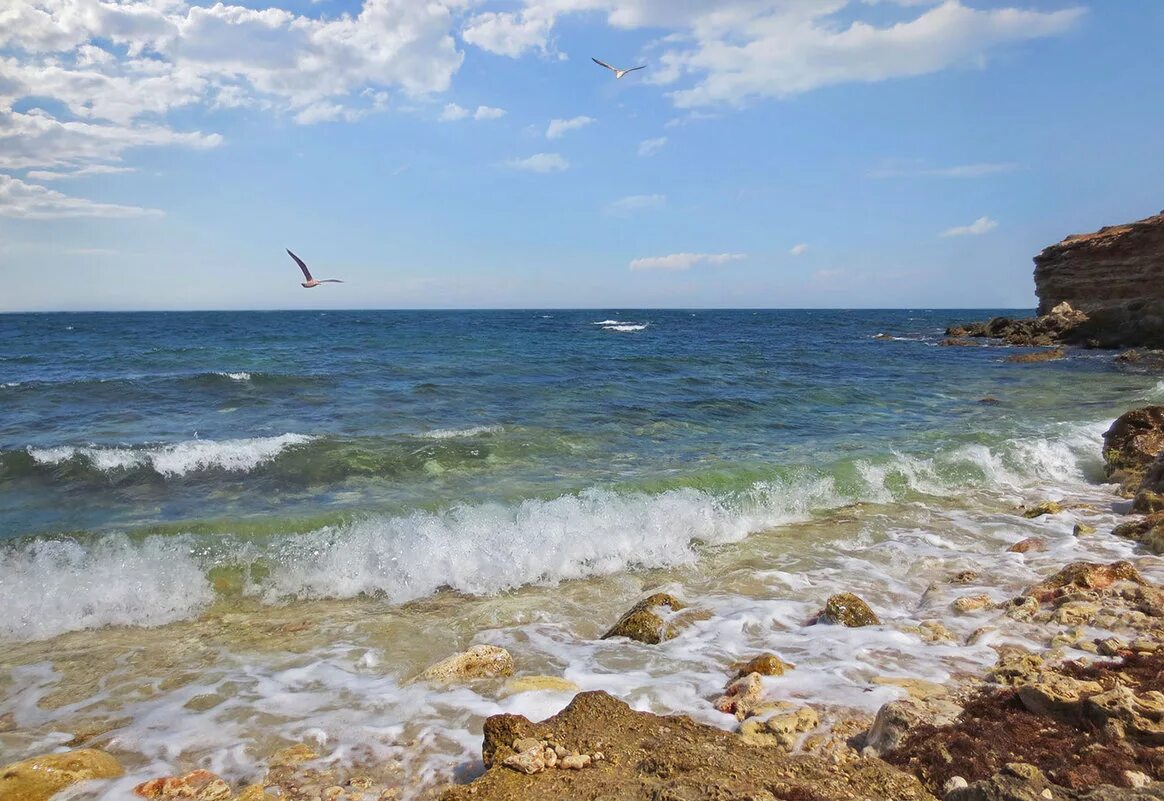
pixel 405 451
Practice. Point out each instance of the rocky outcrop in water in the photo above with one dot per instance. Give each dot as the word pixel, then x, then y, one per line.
pixel 1111 267
pixel 42 777
pixel 1131 446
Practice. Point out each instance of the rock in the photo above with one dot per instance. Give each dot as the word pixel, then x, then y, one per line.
pixel 1148 502
pixel 528 762
pixel 1131 445
pixel 1083 576
pixel 576 761
pixel 952 342
pixel 989 400
pixel 1024 607
pixel 649 757
pixel 42 777
pixel 1044 508
pixel 1015 667
pixel 479 662
pixel 1054 694
pixel 1029 544
pixel 782 729
pixel 1148 530
pixel 1053 354
pixel 1083 529
pixel 897 719
pixel 1097 270
pixel 765 665
pixel 645 624
pixel 954 783
pixel 742 697
pixel 200 785
pixel 526 684
pixel 1150 494
pixel 1141 716
pixel 972 603
pixel 847 609
pixel 965 577
pixel 933 631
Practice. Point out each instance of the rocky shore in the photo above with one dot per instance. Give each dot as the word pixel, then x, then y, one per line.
pixel 1080 718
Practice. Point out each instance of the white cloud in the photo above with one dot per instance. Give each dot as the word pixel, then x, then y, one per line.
pixel 798 250
pixel 452 112
pixel 733 51
pixel 34 202
pixel 907 170
pixel 83 172
pixel 557 128
pixel 684 261
pixel 649 147
pixel 980 226
pixel 541 162
pixel 634 203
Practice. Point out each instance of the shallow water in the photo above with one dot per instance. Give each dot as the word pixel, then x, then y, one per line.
pixel 222 537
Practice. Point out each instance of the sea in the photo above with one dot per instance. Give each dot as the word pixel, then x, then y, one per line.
pixel 224 533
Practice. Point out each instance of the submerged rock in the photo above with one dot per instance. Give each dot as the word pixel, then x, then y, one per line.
pixel 1044 508
pixel 525 684
pixel 765 665
pixel 479 662
pixel 1083 576
pixel 42 777
pixel 846 609
pixel 1050 355
pixel 1028 545
pixel 644 623
pixel 200 785
pixel 654 758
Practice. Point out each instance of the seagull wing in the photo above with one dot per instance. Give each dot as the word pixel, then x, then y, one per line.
pixel 302 266
pixel 331 281
pixel 632 69
pixel 603 64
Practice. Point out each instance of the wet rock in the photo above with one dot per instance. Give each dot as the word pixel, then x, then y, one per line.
pixel 525 684
pixel 1015 667
pixel 1053 354
pixel 742 697
pixel 479 662
pixel 645 623
pixel 1044 508
pixel 1148 502
pixel 781 730
pixel 765 665
pixel 1148 530
pixel 1024 607
pixel 1083 576
pixel 965 577
pixel 1132 444
pixel 654 758
pixel 989 400
pixel 40 778
pixel 1028 545
pixel 933 631
pixel 1083 529
pixel 846 609
pixel 1056 695
pixel 957 342
pixel 972 603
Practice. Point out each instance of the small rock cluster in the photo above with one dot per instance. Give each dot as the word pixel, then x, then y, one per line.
pixel 533 756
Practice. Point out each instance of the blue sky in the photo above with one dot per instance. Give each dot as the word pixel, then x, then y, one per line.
pixel 160 154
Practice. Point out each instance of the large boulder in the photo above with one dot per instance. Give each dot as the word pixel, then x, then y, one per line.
pixel 1132 444
pixel 647 622
pixel 652 758
pixel 42 777
pixel 846 609
pixel 1150 494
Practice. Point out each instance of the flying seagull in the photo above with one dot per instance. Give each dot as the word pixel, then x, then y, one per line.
pixel 617 72
pixel 311 282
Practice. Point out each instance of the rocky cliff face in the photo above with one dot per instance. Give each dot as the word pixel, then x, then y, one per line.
pixel 1109 268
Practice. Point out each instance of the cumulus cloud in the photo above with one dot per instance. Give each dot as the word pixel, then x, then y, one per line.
pixel 557 128
pixel 649 147
pixel 684 261
pixel 452 112
pixel 982 225
pixel 541 162
pixel 798 250
pixel 733 51
pixel 34 202
pixel 634 203
pixel 488 113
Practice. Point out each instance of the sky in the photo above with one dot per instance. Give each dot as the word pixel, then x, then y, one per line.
pixel 161 154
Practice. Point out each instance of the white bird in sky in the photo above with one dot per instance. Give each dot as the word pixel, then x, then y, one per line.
pixel 617 72
pixel 311 282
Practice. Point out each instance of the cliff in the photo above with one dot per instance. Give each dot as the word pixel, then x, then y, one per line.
pixel 1108 268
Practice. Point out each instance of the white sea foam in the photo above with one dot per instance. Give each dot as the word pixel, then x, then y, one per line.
pixel 453 433
pixel 626 327
pixel 177 459
pixel 240 376
pixel 609 322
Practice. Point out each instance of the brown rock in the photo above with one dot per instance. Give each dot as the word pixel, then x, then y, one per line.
pixel 653 758
pixel 1038 356
pixel 479 662
pixel 201 785
pixel 645 624
pixel 40 778
pixel 846 609
pixel 1083 576
pixel 972 603
pixel 1044 508
pixel 1148 530
pixel 1029 544
pixel 742 697
pixel 1132 444
pixel 765 665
